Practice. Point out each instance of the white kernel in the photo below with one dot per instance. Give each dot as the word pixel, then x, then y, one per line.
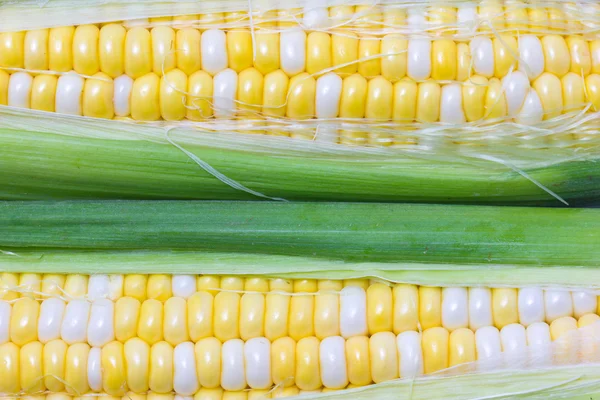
pixel 19 90
pixel 353 312
pixel 488 346
pixel 75 321
pixel 328 94
pixel 451 107
pixel 292 50
pixel 94 369
pixel 516 87
pixel 123 85
pixel 257 357
pixel 213 47
pixel 584 303
pixel 332 358
pixel 224 93
pixel 532 111
pixel 183 285
pixel 531 55
pixel 69 90
pixel 482 53
pixel 410 353
pixel 531 306
pixel 101 330
pixel 233 375
pixel 52 311
pixel 185 380
pixel 419 59
pixel 480 308
pixel 557 303
pixel 5 311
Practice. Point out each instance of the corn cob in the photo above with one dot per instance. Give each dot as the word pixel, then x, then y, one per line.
pixel 180 333
pixel 483 160
pixel 296 322
pixel 495 61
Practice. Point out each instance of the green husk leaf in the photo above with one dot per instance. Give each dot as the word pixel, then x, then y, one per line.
pixel 47 156
pixel 553 383
pixel 295 267
pixel 426 244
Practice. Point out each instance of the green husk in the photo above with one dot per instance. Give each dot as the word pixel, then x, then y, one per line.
pixel 553 383
pixel 295 267
pixel 426 244
pixel 45 156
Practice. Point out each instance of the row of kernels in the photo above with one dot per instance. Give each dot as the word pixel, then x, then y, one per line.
pixel 512 345
pixel 445 59
pixel 202 394
pixel 113 287
pixel 137 366
pixel 406 307
pixel 175 97
pixel 161 315
pixel 309 363
pixel 480 307
pixel 164 287
pixel 87 50
pixel 13 286
pixel 323 309
pixel 115 51
pixel 516 13
pixel 141 287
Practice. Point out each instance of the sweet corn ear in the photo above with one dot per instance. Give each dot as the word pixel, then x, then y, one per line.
pixel 278 71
